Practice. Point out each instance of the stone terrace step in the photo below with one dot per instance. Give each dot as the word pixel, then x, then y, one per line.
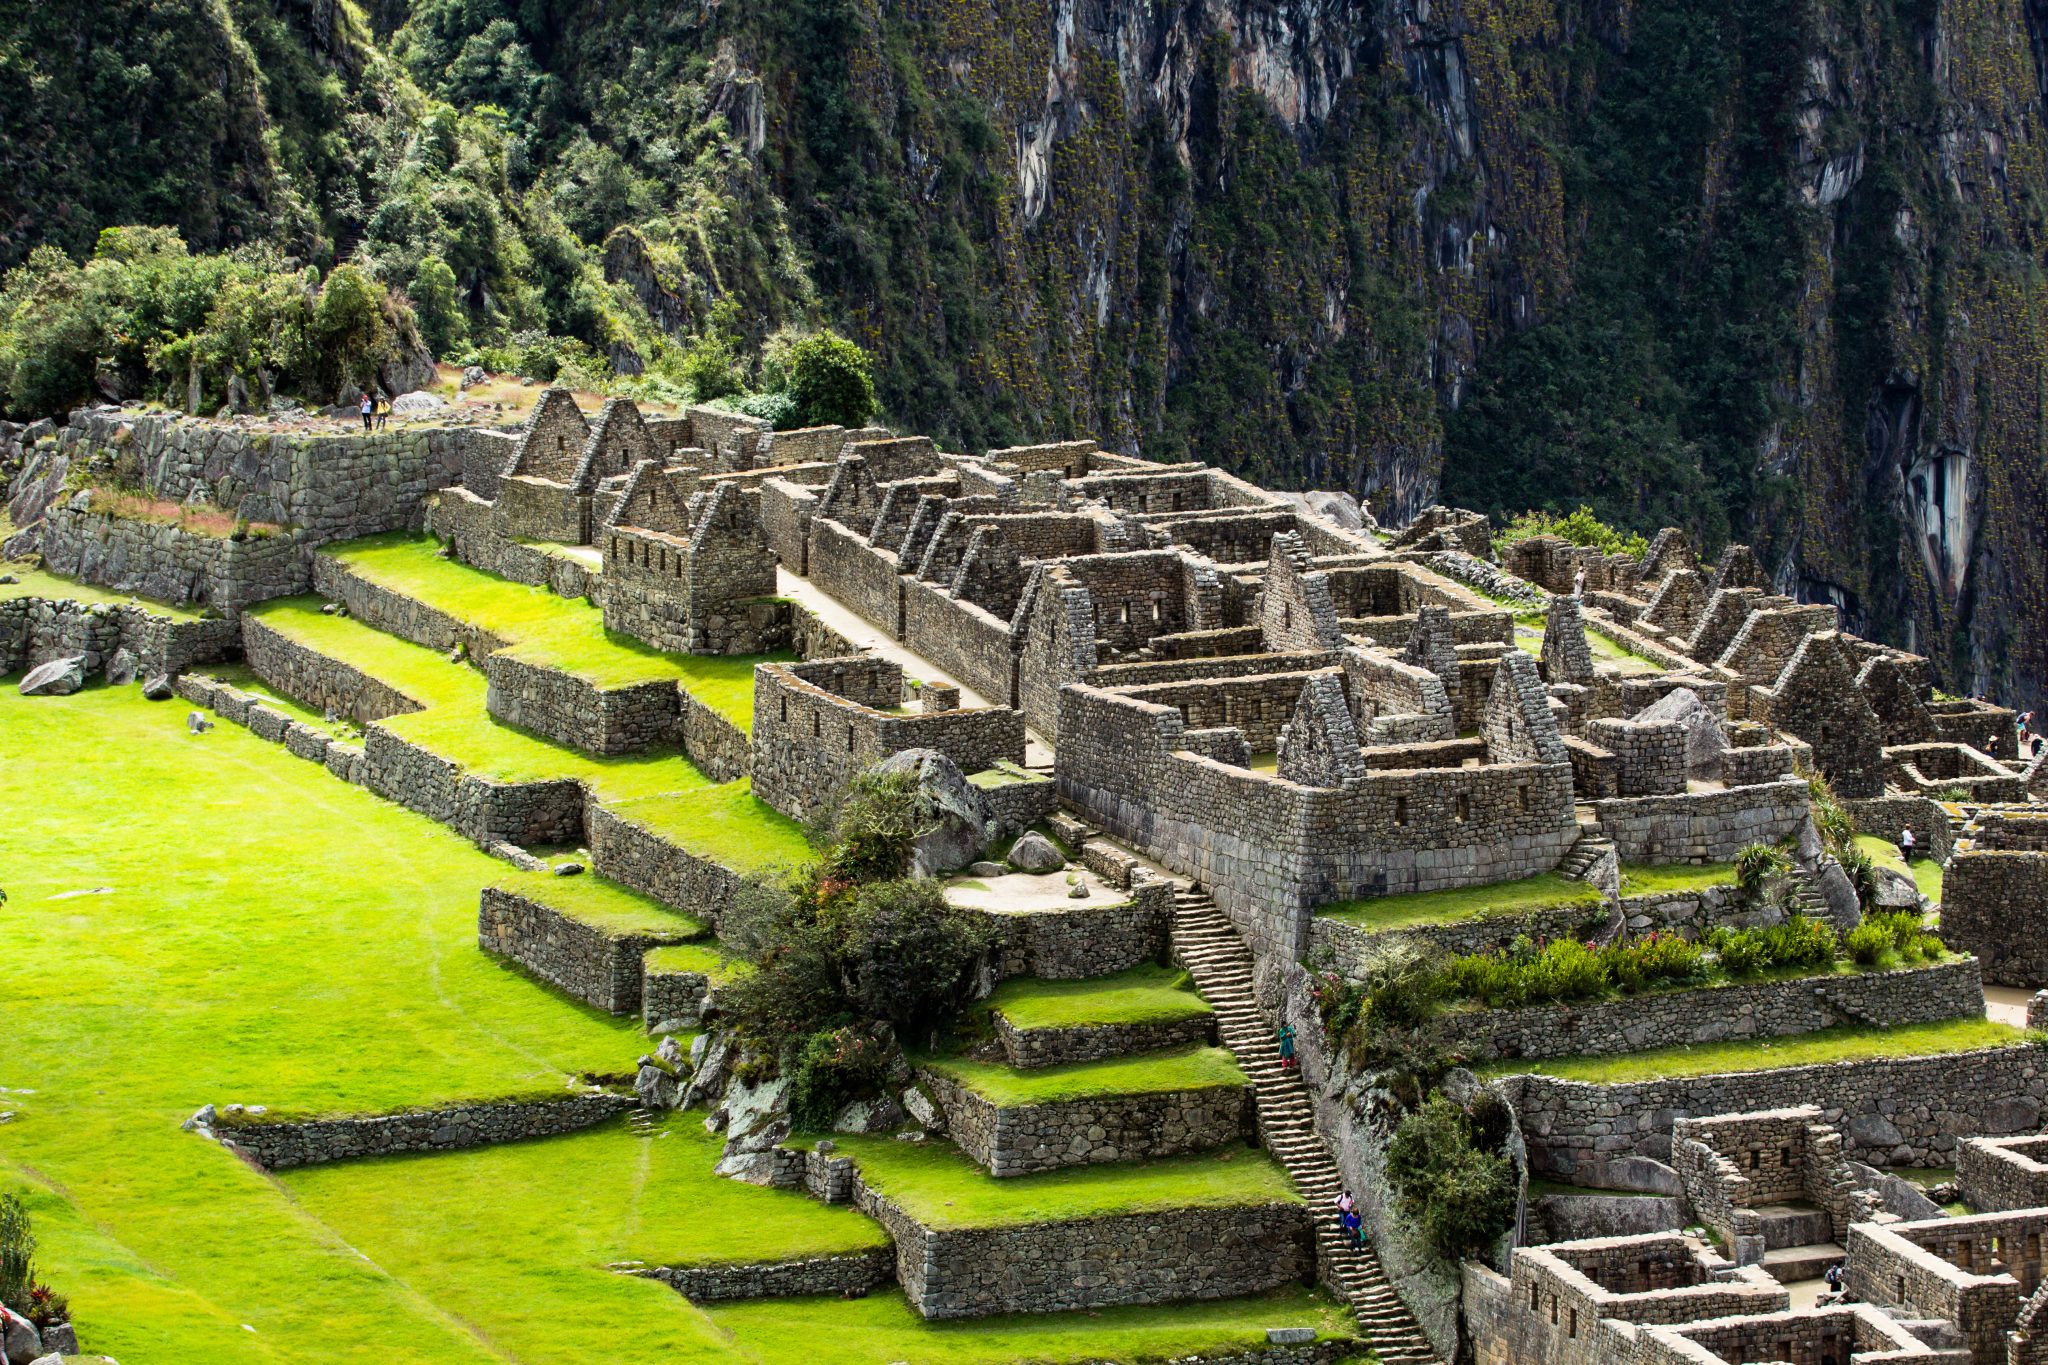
pixel 1207 945
pixel 1791 1227
pixel 1791 1265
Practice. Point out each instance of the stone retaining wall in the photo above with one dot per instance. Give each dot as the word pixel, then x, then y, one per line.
pixel 1887 816
pixel 318 681
pixel 596 966
pixel 670 1001
pixel 1753 1009
pixel 846 1275
pixel 1905 1111
pixel 719 748
pixel 283 1145
pixel 1086 940
pixel 395 614
pixel 35 630
pixel 1703 826
pixel 463 520
pixel 526 813
pixel 623 852
pixel 1023 1139
pixel 163 561
pixel 1027 1048
pixel 579 714
pixel 1017 806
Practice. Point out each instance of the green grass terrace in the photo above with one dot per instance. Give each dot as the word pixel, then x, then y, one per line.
pixel 545 629
pixel 1150 1073
pixel 1145 994
pixel 31 581
pixel 603 905
pixel 1544 891
pixel 1809 1049
pixel 941 1187
pixel 1644 879
pixel 1925 872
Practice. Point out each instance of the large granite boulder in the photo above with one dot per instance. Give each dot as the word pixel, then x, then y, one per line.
pixel 418 403
pixel 1036 853
pixel 956 815
pixel 57 678
pixel 1704 741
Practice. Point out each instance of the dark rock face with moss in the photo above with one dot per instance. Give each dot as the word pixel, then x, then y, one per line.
pixel 1767 272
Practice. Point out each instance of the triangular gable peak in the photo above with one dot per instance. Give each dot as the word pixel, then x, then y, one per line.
pixel 852 498
pixel 1567 657
pixel 552 445
pixel 618 443
pixel 1319 746
pixel 1296 610
pixel 1519 726
pixel 1678 603
pixel 1669 551
pixel 1433 644
pixel 655 499
pixel 1739 568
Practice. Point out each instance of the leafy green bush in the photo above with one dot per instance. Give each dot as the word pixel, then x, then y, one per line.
pixel 830 1069
pixel 831 381
pixel 443 325
pixel 711 369
pixel 1578 528
pixel 1896 932
pixel 1757 866
pixel 1566 969
pixel 17 1253
pixel 1459 1193
pixel 779 410
pixel 1861 872
pixel 1799 941
pixel 1868 942
pixel 874 829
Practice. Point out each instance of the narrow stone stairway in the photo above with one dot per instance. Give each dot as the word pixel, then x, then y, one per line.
pixel 1207 945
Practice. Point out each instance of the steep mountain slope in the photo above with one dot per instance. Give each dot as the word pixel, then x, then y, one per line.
pixel 1767 271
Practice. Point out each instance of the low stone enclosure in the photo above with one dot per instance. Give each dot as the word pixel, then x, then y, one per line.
pixel 1995 894
pixel 280 1142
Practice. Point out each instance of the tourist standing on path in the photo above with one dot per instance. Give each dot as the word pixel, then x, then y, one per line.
pixel 1286 1040
pixel 1579 582
pixel 369 407
pixel 1906 843
pixel 1354 1228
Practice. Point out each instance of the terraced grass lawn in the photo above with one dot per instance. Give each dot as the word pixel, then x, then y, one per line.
pixel 691 957
pixel 602 904
pixel 1809 1049
pixel 1145 994
pixel 1642 879
pixel 31 581
pixel 1147 1073
pixel 546 629
pixel 1529 628
pixel 940 1186
pixel 726 822
pixel 206 918
pixel 240 926
pixel 243 679
pixel 455 723
pixel 1544 891
pixel 1925 872
pixel 882 1327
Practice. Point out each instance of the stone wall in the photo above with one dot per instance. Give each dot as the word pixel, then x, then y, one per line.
pixel 317 681
pixel 526 813
pixel 595 965
pixel 1751 1009
pixel 1887 816
pixel 962 639
pixel 1994 896
pixel 1972 1271
pixel 1022 1139
pixel 624 852
pixel 672 1000
pixel 865 580
pixel 1084 939
pixel 1893 1112
pixel 463 521
pixel 2003 1173
pixel 819 723
pixel 35 630
pixel 1029 1048
pixel 579 714
pixel 1703 826
pixel 846 1275
pixel 395 614
pixel 786 512
pixel 278 1146
pixel 720 749
pixel 160 560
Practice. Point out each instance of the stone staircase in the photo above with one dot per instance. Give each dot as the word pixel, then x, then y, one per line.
pixel 1586 851
pixel 1207 945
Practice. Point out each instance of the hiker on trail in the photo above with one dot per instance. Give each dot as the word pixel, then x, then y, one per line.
pixel 1286 1039
pixel 383 414
pixel 1579 582
pixel 1906 843
pixel 1354 1228
pixel 369 407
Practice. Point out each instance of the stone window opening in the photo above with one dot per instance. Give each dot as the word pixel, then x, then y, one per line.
pixel 1572 1323
pixel 1522 796
pixel 1155 611
pixel 785 710
pixel 1553 1310
pixel 1535 1299
pixel 1899 1288
pixel 817 725
pixel 849 739
pixel 1400 810
pixel 1464 808
pixel 1123 614
pixel 1286 616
